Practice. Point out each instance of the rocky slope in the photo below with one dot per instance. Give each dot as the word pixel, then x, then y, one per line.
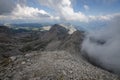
pixel 52 65
pixel 47 55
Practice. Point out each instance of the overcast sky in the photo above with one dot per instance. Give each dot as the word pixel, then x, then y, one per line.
pixel 58 10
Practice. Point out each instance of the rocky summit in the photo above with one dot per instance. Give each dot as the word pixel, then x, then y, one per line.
pixel 52 54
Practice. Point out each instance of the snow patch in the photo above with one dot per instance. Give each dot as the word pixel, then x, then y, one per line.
pixel 70 27
pixel 45 28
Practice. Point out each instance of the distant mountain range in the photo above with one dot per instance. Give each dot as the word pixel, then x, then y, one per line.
pixel 34 26
pixel 27 24
pixel 58 36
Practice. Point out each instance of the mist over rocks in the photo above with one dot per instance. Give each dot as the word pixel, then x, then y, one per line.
pixel 42 55
pixel 102 48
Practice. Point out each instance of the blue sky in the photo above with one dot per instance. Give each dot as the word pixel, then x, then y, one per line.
pixel 69 11
pixel 96 7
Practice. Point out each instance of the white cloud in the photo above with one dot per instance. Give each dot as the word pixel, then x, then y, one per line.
pixel 86 7
pixel 68 13
pixel 103 17
pixel 23 12
pixel 103 46
pixel 64 9
pixel 28 12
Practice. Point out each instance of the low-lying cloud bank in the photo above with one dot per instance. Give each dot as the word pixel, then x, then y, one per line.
pixel 103 47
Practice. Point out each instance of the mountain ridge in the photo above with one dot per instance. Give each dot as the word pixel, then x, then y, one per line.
pixel 51 54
